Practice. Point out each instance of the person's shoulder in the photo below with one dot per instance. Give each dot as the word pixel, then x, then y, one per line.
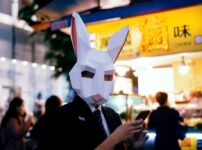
pixel 153 112
pixel 13 120
pixel 109 110
pixel 64 112
pixel 173 110
pixel 66 108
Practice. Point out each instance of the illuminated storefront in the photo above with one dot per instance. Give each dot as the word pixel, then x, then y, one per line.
pixel 165 51
pixel 167 43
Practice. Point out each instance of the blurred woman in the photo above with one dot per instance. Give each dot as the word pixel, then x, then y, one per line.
pixel 15 125
pixel 41 131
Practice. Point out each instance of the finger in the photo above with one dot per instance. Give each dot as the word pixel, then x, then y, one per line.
pixel 136 122
pixel 139 121
pixel 143 133
pixel 134 125
pixel 136 131
pixel 139 126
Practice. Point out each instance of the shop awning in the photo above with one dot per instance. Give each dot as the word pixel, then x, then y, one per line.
pixel 120 12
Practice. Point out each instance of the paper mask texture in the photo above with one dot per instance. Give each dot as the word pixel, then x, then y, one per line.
pixel 92 75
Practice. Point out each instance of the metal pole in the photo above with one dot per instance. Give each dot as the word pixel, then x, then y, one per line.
pixel 14 12
pixel 13 55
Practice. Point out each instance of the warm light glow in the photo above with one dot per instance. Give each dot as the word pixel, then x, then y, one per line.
pixel 123 84
pixel 137 38
pixel 121 70
pixel 34 65
pixel 113 3
pixel 3 59
pixel 14 61
pixel 152 80
pixel 60 69
pixel 120 102
pixel 52 68
pixel 24 63
pixel 43 66
pixel 34 18
pixel 183 69
pixel 36 6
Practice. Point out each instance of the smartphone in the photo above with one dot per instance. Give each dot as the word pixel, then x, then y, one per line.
pixel 143 115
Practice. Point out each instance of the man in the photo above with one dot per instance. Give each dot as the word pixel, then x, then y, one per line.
pixel 85 123
pixel 164 121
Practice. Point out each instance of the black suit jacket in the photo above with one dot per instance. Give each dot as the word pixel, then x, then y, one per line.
pixel 74 127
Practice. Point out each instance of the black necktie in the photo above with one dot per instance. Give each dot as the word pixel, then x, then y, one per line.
pixel 98 118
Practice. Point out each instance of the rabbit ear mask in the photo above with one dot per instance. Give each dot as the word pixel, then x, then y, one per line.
pixel 91 76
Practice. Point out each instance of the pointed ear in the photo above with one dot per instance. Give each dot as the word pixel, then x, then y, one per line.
pixel 79 36
pixel 116 43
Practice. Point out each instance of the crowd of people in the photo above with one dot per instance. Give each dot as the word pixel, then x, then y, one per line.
pixel 44 134
pixel 85 123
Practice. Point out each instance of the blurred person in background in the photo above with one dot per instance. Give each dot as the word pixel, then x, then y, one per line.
pixel 164 121
pixel 11 95
pixel 15 125
pixel 41 130
pixel 39 106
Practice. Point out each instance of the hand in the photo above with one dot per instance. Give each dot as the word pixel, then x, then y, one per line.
pixel 138 141
pixel 31 120
pixel 121 134
pixel 128 130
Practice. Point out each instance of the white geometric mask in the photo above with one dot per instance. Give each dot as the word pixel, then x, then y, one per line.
pixel 92 75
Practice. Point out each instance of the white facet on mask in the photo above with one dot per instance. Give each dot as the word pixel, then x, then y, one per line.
pixel 92 75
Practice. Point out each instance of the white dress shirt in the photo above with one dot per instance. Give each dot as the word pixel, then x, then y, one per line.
pixel 104 122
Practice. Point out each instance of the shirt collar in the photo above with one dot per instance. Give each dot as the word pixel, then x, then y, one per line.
pixel 92 108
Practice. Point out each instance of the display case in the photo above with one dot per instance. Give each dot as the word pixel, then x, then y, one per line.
pixel 189 109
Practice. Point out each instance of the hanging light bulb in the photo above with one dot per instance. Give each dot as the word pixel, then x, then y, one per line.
pixel 184 68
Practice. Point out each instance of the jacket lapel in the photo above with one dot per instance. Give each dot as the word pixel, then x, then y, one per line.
pixel 111 119
pixel 82 109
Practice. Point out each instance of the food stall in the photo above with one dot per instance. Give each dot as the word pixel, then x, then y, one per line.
pixel 164 53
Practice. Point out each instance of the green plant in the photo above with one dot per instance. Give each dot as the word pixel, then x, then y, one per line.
pixel 60 53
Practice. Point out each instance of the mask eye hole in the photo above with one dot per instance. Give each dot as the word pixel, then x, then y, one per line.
pixel 108 77
pixel 87 74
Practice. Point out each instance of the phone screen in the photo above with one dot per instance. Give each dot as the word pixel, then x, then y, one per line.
pixel 143 115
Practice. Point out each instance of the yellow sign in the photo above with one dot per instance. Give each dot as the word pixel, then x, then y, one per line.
pixel 161 33
pixel 189 143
